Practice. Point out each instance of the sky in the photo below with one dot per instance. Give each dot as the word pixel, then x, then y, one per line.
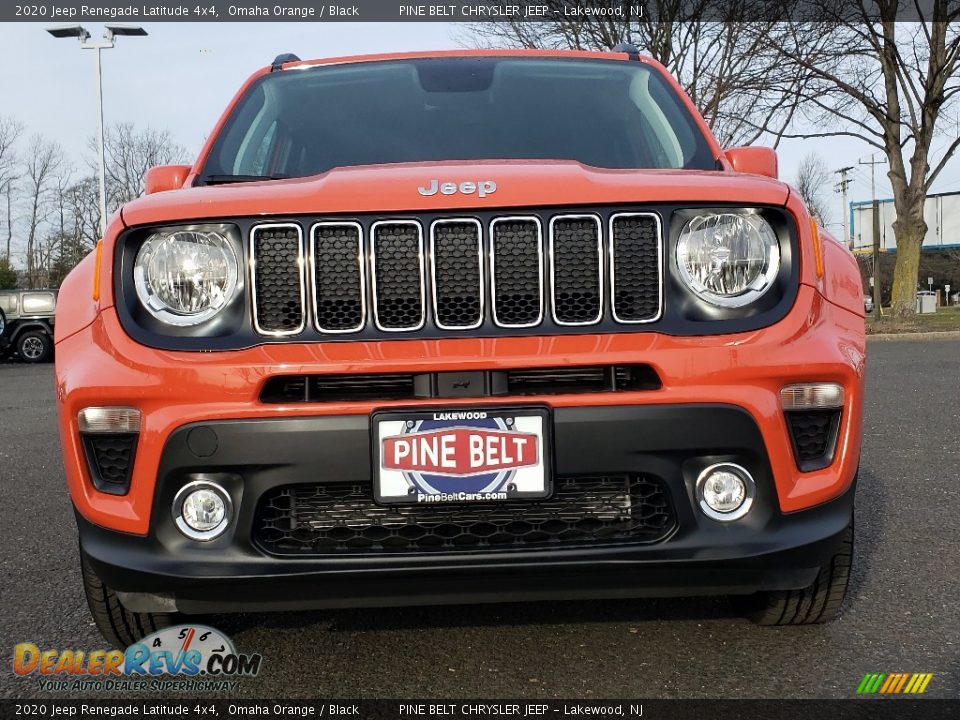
pixel 182 76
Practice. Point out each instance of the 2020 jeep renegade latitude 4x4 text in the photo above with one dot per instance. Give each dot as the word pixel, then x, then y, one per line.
pixel 461 327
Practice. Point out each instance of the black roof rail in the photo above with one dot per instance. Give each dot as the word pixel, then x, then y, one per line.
pixel 628 48
pixel 279 60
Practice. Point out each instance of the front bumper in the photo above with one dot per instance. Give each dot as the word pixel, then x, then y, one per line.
pixel 767 549
pixel 817 342
pixel 719 401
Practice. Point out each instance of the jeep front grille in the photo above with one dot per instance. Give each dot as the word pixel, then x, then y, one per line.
pixel 456 274
pixel 576 251
pixel 339 294
pixel 397 266
pixel 456 249
pixel 517 271
pixel 633 278
pixel 276 253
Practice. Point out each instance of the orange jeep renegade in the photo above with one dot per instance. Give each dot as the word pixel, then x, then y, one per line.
pixel 461 327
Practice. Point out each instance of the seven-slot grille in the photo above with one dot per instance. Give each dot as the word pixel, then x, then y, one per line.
pixel 457 274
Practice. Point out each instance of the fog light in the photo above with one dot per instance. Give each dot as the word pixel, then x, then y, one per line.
pixel 202 510
pixel 725 491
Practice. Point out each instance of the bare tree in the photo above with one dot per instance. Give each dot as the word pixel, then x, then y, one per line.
pixel 740 86
pixel 889 84
pixel 10 131
pixel 84 207
pixel 813 178
pixel 129 153
pixel 41 166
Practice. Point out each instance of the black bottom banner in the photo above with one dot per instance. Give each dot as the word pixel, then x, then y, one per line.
pixel 866 708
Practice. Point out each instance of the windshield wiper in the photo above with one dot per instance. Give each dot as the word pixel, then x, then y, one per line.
pixel 226 179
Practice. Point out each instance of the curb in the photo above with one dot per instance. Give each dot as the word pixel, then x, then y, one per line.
pixel 920 336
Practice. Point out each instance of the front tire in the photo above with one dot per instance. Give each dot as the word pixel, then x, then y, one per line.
pixel 120 627
pixel 34 346
pixel 818 603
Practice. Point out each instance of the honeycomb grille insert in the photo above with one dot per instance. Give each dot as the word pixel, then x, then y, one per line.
pixel 398 258
pixel 338 277
pixel 341 518
pixel 110 460
pixel 576 258
pixel 814 436
pixel 517 268
pixel 456 250
pixel 635 267
pixel 277 270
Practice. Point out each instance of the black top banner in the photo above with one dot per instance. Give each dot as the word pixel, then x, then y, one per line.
pixel 613 11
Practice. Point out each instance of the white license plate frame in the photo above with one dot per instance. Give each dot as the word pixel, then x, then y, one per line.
pixel 430 456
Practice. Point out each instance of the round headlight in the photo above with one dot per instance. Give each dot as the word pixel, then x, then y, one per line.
pixel 728 259
pixel 185 277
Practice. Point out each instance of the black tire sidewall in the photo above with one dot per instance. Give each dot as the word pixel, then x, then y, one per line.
pixel 44 338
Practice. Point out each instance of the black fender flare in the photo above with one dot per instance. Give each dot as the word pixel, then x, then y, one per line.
pixel 21 326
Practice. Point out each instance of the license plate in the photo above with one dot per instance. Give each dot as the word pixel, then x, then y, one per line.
pixel 461 455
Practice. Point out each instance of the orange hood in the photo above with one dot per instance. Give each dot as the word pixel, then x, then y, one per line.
pixel 394 189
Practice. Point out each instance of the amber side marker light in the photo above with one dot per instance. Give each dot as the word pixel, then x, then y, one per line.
pixel 817 247
pixel 97 260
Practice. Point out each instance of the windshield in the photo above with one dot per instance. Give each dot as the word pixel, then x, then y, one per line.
pixel 602 113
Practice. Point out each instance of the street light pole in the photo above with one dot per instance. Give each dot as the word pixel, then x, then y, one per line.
pixel 109 40
pixel 101 152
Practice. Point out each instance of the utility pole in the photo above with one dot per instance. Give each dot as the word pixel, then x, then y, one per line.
pixel 845 211
pixel 873 162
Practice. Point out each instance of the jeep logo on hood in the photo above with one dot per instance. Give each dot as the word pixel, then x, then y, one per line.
pixel 482 188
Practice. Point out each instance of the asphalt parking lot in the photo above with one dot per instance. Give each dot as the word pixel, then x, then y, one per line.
pixel 903 612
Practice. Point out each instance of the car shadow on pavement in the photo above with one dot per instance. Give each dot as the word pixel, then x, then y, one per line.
pixel 870 511
pixel 491 615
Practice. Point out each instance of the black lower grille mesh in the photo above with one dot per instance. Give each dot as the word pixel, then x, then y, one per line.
pixel 277 279
pixel 341 517
pixel 110 460
pixel 814 435
pixel 457 274
pixel 338 277
pixel 399 276
pixel 517 288
pixel 576 270
pixel 568 379
pixel 573 379
pixel 636 268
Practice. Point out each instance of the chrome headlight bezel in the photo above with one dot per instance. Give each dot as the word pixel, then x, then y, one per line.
pixel 148 294
pixel 766 273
